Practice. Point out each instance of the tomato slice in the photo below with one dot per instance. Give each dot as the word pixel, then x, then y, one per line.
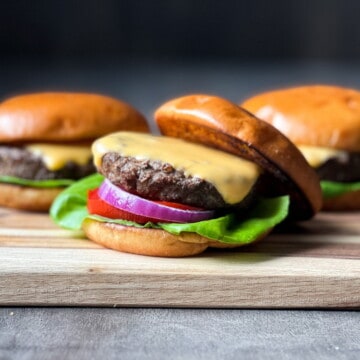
pixel 97 206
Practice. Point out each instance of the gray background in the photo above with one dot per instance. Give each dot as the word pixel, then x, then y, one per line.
pixel 180 29
pixel 177 334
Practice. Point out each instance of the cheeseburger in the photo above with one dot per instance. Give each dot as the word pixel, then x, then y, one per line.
pixel 45 142
pixel 218 177
pixel 324 122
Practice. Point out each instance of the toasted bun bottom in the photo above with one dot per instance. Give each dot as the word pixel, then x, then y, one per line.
pixel 27 198
pixel 151 242
pixel 346 202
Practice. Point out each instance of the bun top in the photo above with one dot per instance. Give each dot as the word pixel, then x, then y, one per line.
pixel 65 117
pixel 317 115
pixel 218 123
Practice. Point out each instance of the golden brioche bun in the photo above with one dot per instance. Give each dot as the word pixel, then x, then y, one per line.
pixel 318 115
pixel 27 198
pixel 150 242
pixel 218 123
pixel 65 117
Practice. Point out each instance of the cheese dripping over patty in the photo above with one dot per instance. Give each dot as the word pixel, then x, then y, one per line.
pixel 316 156
pixel 231 175
pixel 56 156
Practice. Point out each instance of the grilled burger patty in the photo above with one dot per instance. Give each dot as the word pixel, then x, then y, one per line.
pixel 19 162
pixel 155 180
pixel 341 170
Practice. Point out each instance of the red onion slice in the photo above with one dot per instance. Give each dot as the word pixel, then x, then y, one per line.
pixel 123 200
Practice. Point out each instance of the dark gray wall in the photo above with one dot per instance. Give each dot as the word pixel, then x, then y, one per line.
pixel 180 29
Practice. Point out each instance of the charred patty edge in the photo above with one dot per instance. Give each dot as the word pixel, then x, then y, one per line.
pixel 345 169
pixel 156 180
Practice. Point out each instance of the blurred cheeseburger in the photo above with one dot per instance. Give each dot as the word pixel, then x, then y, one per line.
pixel 45 142
pixel 324 122
pixel 219 177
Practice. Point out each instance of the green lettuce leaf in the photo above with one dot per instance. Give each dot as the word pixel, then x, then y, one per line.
pixel 239 229
pixel 36 183
pixel 69 211
pixel 331 188
pixel 69 208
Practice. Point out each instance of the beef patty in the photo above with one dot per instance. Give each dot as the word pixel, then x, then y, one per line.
pixel 341 170
pixel 19 162
pixel 155 180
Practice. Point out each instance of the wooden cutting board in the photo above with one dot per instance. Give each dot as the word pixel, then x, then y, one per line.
pixel 313 265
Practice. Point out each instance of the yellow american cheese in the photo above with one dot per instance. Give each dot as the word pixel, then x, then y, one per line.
pixel 56 156
pixel 232 176
pixel 316 156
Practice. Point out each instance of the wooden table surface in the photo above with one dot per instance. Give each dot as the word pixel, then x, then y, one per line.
pixel 311 265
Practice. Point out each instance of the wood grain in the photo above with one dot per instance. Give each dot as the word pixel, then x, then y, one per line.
pixel 311 265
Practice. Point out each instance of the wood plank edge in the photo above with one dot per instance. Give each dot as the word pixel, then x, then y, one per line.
pixel 194 291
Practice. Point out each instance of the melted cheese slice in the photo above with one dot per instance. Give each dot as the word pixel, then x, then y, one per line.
pixel 56 156
pixel 232 176
pixel 316 156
